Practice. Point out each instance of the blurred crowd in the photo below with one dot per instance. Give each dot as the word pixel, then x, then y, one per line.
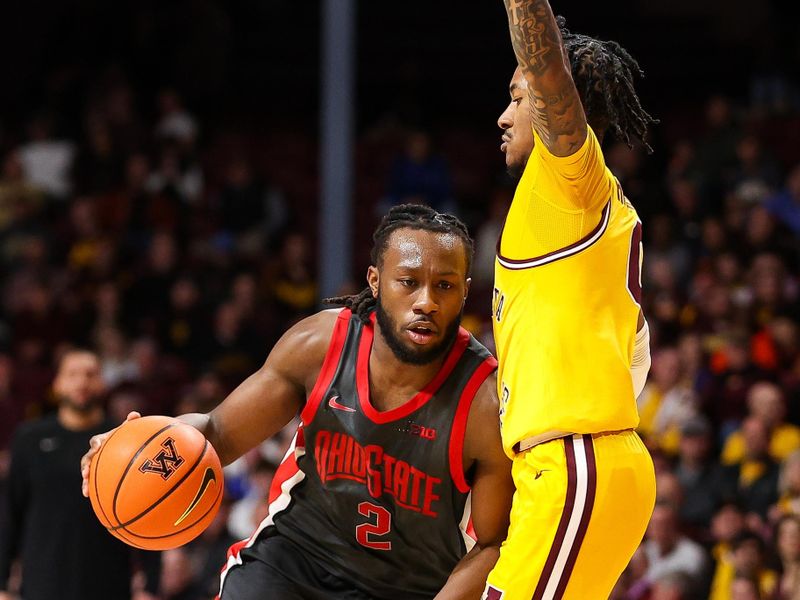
pixel 180 254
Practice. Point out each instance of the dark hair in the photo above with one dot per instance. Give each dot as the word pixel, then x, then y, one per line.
pixel 404 216
pixel 603 73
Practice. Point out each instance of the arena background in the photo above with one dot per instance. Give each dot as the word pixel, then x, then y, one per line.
pixel 161 201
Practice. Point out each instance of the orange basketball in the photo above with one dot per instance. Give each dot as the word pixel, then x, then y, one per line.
pixel 156 483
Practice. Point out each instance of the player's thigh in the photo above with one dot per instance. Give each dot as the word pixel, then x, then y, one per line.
pixel 540 476
pixel 255 580
pixel 622 508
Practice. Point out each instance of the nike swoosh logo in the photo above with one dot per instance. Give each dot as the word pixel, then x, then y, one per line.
pixel 334 403
pixel 539 473
pixel 209 477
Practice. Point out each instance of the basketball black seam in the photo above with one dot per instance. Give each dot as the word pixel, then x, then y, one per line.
pixel 168 493
pixel 97 493
pixel 159 537
pixel 128 468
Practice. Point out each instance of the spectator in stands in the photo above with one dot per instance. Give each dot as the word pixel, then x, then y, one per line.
pixel 46 160
pixel 675 585
pixel 787 544
pixel 745 560
pixel 698 472
pixel 671 553
pixel 241 522
pixel 666 402
pixel 766 403
pixel 420 176
pixel 789 487
pixel 755 479
pixel 49 522
pixel 178 577
pixel 785 205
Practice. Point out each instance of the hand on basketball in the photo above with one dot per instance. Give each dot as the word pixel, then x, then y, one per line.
pixel 94 445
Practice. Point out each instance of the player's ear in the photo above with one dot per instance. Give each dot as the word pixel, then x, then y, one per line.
pixel 373 279
pixel 466 287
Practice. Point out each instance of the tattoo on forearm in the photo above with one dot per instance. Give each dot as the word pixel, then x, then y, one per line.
pixel 556 112
pixel 534 34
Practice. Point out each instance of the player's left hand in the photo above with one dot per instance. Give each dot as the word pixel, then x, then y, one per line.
pixel 94 445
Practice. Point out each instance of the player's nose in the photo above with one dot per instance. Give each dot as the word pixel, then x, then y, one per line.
pixel 506 119
pixel 425 301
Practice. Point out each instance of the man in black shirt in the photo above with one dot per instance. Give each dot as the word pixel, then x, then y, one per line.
pixel 64 550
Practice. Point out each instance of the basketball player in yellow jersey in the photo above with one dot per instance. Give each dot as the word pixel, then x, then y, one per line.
pixel 572 342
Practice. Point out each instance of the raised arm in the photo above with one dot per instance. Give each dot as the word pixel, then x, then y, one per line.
pixel 264 402
pixel 556 110
pixel 492 490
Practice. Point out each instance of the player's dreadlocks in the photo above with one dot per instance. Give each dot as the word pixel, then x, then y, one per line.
pixel 405 216
pixel 603 73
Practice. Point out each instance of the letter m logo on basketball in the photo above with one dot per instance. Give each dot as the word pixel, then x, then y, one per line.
pixel 166 462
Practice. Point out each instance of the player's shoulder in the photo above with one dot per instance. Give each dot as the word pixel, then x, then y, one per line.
pixel 310 337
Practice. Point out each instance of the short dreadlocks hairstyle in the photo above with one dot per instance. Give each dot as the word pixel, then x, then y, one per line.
pixel 604 73
pixel 404 216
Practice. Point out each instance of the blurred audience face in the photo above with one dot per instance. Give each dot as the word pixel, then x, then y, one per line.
pixel 727 523
pixel 790 475
pixel 184 294
pixel 788 540
pixel 144 353
pixel 756 438
pixel 666 369
pixel 669 490
pixel 743 588
pixel 718 112
pixel 667 589
pixel 137 169
pixel 663 527
pixel 690 349
pixel 760 226
pixel 793 182
pixel 714 236
pixel 176 572
pixel 766 403
pixel 78 383
pixel 123 402
pixel 418 147
pixel 227 322
pixel 162 253
pixel 244 292
pixel 694 447
pixel 684 197
pixel 748 557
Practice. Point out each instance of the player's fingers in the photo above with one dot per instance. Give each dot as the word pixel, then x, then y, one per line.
pixel 133 415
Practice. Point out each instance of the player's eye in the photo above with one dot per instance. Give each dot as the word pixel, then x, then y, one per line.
pixel 407 282
pixel 517 100
pixel 445 285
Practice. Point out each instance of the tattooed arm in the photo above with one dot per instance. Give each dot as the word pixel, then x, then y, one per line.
pixel 556 111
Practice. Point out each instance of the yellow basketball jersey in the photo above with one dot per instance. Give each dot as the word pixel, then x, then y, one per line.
pixel 566 299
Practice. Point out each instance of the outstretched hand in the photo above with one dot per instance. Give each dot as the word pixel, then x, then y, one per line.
pixel 94 445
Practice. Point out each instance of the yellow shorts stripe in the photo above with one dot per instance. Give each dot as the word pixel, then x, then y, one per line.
pixel 580 509
pixel 581 489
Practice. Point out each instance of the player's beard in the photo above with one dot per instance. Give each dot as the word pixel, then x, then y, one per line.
pixel 389 330
pixel 515 170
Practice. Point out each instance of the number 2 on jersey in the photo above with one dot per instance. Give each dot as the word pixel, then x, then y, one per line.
pixel 367 532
